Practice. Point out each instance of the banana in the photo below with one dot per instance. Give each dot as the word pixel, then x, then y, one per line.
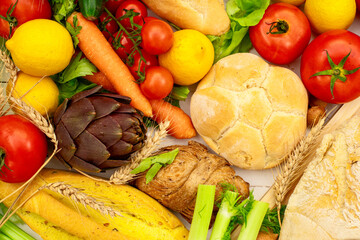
pixel 138 215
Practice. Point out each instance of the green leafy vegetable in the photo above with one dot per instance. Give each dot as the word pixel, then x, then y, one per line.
pixel 155 163
pixel 242 14
pixel 62 9
pixel 202 213
pixel 69 81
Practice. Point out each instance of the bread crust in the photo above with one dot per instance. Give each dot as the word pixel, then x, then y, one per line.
pixel 250 112
pixel 206 16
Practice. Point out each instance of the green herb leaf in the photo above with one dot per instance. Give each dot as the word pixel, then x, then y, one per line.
pixel 152 172
pixel 154 164
pixel 74 30
pixel 62 9
pixel 77 68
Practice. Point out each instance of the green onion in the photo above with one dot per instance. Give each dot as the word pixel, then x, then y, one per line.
pixel 202 213
pixel 14 232
pixel 251 228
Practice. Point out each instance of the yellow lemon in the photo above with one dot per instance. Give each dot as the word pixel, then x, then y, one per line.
pixel 292 2
pixel 325 15
pixel 190 57
pixel 41 47
pixel 41 93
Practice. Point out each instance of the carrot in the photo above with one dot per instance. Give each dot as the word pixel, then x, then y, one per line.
pixel 99 51
pixel 181 126
pixel 100 79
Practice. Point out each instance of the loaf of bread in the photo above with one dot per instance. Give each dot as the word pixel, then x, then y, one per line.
pixel 206 16
pixel 249 112
pixel 325 204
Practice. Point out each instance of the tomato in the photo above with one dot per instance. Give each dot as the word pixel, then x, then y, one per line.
pixel 340 83
pixel 357 4
pixel 158 83
pixel 107 24
pixel 113 5
pixel 139 65
pixel 282 34
pixel 149 18
pixel 24 11
pixel 157 37
pixel 137 7
pixel 122 44
pixel 23 149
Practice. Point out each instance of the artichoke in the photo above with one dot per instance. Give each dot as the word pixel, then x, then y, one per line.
pixel 97 131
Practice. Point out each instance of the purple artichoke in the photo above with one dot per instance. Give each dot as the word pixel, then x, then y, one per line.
pixel 97 131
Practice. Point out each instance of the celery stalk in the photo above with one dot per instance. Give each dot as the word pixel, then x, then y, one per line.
pixel 255 217
pixel 4 237
pixel 226 212
pixel 14 232
pixel 202 213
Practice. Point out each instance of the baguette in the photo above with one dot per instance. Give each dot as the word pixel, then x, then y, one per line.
pixel 206 16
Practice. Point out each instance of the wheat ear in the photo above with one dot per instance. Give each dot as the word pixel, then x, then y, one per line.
pixel 295 162
pixel 123 175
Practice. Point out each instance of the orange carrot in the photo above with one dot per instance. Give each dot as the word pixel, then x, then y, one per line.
pixel 180 123
pixel 100 79
pixel 99 51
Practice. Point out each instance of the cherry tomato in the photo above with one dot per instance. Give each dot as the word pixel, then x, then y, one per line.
pixel 358 4
pixel 137 7
pixel 149 18
pixel 150 60
pixel 334 57
pixel 113 5
pixel 108 24
pixel 23 149
pixel 24 11
pixel 158 83
pixel 282 34
pixel 157 37
pixel 122 44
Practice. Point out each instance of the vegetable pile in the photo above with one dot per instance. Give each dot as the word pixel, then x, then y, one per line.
pixel 100 75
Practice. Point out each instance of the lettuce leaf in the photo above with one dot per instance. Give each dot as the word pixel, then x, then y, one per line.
pixel 242 14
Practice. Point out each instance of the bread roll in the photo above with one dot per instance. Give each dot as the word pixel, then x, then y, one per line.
pixel 249 112
pixel 206 16
pixel 325 204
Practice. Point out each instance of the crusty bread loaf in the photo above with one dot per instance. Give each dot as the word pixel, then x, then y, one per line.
pixel 249 112
pixel 206 16
pixel 325 204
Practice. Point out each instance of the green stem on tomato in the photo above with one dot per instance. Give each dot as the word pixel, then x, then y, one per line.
pixel 14 232
pixel 202 213
pixel 255 217
pixel 281 27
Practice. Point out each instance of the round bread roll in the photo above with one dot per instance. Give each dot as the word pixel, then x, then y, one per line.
pixel 250 112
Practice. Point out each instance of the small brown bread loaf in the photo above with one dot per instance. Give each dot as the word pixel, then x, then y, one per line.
pixel 250 112
pixel 175 186
pixel 206 16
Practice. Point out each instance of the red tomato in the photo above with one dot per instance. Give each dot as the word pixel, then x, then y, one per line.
pixel 342 81
pixel 148 19
pixel 122 44
pixel 139 65
pixel 137 7
pixel 157 37
pixel 358 4
pixel 282 34
pixel 23 149
pixel 107 23
pixel 24 11
pixel 158 83
pixel 113 5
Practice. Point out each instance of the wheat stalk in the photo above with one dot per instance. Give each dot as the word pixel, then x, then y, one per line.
pixel 295 163
pixel 123 175
pixel 11 69
pixel 78 196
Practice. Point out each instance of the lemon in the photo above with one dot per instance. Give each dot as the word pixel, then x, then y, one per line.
pixel 41 93
pixel 292 2
pixel 41 47
pixel 330 14
pixel 190 57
